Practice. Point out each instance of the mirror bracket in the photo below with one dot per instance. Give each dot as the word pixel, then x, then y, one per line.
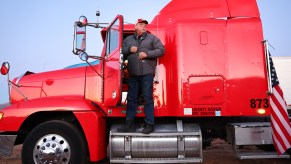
pixel 84 57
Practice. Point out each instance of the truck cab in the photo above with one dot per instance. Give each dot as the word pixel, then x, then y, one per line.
pixel 212 82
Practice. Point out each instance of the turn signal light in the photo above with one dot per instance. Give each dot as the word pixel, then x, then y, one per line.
pixel 261 111
pixel 1 115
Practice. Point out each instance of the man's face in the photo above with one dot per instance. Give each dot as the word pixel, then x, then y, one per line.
pixel 140 28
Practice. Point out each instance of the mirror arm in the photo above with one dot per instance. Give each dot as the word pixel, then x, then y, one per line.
pixel 9 94
pixel 74 52
pixel 16 86
pixel 94 69
pixel 97 25
pixel 97 57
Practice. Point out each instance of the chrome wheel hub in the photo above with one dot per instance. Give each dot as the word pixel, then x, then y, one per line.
pixel 51 149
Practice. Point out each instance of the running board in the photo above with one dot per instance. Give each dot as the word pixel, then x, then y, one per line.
pixel 260 155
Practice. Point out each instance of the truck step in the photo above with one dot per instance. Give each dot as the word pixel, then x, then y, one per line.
pixel 156 160
pixel 260 155
pixel 252 134
pixel 169 143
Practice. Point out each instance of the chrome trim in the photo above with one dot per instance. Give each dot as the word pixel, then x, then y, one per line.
pixel 260 155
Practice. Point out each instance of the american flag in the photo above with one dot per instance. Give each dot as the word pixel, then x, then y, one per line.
pixel 280 123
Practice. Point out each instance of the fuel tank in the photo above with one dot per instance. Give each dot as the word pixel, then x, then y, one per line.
pixel 169 143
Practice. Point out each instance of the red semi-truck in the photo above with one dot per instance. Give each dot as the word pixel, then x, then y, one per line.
pixel 212 82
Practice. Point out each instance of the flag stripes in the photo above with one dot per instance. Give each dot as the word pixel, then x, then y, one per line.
pixel 279 117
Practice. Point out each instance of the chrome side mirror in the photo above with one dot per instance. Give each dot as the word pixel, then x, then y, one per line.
pixel 80 35
pixel 80 38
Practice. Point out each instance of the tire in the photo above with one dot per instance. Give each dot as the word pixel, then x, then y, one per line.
pixel 56 142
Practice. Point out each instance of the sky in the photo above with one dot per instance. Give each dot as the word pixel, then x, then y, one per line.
pixel 37 35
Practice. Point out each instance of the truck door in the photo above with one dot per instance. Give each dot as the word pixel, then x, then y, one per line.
pixel 113 61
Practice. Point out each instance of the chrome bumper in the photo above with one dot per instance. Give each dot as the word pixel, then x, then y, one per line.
pixel 7 144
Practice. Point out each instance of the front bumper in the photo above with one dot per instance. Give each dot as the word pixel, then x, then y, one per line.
pixel 7 144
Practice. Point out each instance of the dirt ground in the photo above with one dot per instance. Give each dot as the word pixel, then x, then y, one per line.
pixel 218 152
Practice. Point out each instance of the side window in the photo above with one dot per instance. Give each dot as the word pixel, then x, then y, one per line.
pixel 112 37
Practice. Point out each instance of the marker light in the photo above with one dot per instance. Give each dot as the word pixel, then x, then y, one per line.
pixel 1 115
pixel 261 111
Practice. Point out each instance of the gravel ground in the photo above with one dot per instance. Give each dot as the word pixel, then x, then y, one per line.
pixel 218 152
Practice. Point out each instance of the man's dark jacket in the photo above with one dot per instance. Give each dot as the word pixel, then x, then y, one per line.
pixel 147 43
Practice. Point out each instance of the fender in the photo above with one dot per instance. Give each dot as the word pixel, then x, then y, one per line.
pixel 88 115
pixel 14 115
pixel 94 127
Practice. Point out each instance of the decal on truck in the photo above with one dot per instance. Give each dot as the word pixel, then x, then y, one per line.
pixel 259 103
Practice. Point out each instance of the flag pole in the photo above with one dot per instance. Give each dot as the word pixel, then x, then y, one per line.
pixel 267 54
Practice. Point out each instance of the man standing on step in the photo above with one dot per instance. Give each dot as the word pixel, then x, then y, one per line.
pixel 141 50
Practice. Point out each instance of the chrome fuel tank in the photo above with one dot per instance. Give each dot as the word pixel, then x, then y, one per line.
pixel 169 143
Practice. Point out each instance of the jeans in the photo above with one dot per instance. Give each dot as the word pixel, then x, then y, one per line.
pixel 145 83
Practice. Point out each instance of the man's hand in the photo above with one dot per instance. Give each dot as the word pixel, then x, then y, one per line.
pixel 133 49
pixel 142 55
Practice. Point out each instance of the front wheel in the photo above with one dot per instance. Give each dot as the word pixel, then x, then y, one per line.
pixel 56 142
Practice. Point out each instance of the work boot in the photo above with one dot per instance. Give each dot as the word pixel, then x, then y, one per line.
pixel 148 128
pixel 129 126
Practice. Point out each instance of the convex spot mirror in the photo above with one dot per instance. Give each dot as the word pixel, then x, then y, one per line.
pixel 82 21
pixel 83 56
pixel 5 68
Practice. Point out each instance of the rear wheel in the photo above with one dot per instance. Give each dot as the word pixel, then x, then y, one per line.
pixel 54 142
